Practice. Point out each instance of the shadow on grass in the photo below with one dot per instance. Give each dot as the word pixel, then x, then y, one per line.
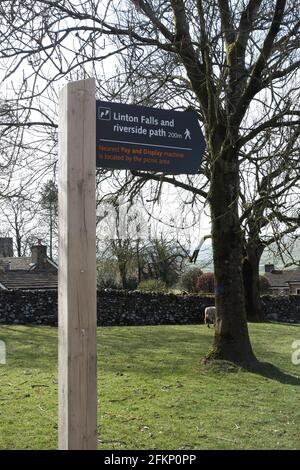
pixel 30 346
pixel 269 371
pixel 150 350
pixel 264 369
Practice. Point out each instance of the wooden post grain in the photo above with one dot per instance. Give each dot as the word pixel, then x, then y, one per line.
pixel 77 382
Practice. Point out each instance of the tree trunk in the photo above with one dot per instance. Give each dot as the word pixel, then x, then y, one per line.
pixel 139 262
pixel 18 241
pixel 51 233
pixel 251 284
pixel 231 340
pixel 123 273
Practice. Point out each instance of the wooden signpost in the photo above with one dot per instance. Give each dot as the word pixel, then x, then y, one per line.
pixel 77 378
pixel 128 137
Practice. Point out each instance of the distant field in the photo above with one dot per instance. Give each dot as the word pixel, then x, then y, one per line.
pixel 205 258
pixel 154 392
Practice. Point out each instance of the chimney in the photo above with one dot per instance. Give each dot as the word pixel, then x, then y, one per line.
pixel 6 248
pixel 269 268
pixel 39 255
pixel 4 266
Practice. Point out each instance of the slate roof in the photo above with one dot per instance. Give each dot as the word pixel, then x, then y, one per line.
pixel 21 273
pixel 283 278
pixel 17 263
pixel 28 280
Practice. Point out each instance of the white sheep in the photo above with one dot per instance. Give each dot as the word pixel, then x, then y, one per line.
pixel 210 316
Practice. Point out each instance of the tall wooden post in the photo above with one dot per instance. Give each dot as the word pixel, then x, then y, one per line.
pixel 77 267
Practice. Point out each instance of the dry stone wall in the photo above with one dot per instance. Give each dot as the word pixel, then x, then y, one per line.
pixel 132 308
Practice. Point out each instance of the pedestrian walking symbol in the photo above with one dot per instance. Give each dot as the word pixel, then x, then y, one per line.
pixel 187 134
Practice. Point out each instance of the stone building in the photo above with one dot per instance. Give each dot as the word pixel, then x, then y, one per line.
pixel 37 271
pixel 283 281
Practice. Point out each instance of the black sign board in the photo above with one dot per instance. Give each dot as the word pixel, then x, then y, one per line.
pixel 149 139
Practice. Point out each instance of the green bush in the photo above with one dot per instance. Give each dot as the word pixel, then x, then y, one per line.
pixel 152 285
pixel 107 275
pixel 206 283
pixel 189 279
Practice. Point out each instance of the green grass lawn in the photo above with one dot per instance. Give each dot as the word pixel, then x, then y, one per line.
pixel 154 391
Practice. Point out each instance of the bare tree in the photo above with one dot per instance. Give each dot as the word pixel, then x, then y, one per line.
pixel 226 59
pixel 18 214
pixel 268 198
pixel 235 60
pixel 119 237
pixel 49 205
